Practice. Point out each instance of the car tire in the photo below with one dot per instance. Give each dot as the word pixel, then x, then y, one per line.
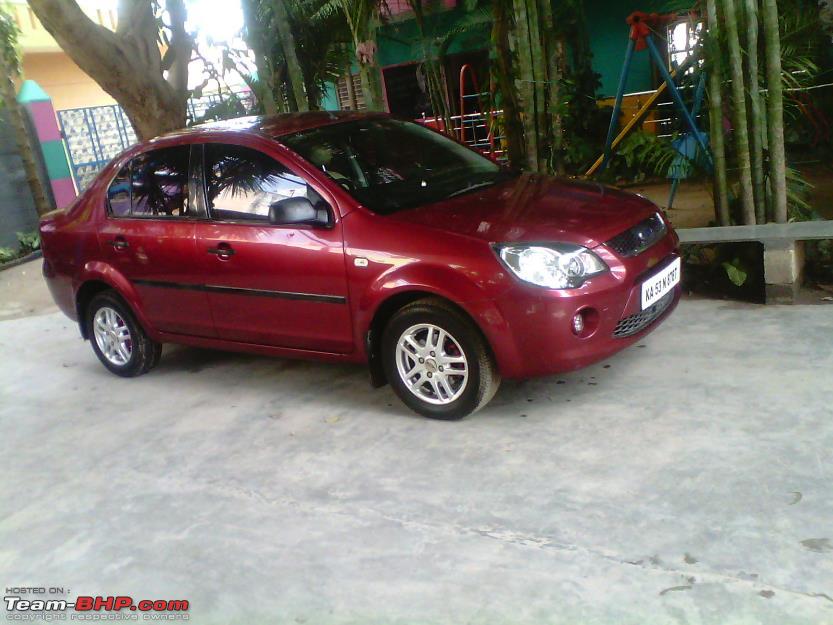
pixel 117 339
pixel 431 381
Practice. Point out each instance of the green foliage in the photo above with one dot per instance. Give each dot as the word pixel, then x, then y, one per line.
pixel 729 269
pixel 320 31
pixel 29 241
pixel 735 271
pixel 798 194
pixel 645 154
pixel 9 33
pixel 229 107
pixel 584 122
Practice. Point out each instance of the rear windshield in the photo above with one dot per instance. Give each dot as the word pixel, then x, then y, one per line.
pixel 390 165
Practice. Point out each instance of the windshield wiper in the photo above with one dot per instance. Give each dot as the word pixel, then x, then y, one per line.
pixel 472 187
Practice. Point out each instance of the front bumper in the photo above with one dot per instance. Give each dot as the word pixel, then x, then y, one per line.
pixel 539 339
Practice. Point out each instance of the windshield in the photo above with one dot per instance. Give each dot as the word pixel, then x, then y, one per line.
pixel 390 165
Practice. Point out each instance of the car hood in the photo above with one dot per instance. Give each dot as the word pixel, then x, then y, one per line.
pixel 538 208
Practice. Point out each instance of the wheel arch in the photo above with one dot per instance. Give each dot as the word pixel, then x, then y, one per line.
pixel 86 292
pixel 388 308
pixel 97 277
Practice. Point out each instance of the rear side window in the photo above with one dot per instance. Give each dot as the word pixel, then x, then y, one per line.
pixel 154 184
pixel 118 195
pixel 241 183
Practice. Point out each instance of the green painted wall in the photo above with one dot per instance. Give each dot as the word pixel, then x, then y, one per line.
pixel 608 32
pixel 608 39
pixel 330 100
pixel 399 41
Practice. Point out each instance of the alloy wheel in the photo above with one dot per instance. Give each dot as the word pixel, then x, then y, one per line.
pixel 112 335
pixel 432 364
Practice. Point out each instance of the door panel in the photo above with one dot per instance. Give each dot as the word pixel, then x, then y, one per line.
pixel 160 260
pixel 281 286
pixel 270 284
pixel 149 237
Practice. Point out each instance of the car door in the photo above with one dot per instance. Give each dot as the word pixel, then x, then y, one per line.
pixel 281 285
pixel 149 237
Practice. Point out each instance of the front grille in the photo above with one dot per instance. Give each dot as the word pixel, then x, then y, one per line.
pixel 640 237
pixel 641 320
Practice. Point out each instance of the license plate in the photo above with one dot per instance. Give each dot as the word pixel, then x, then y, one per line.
pixel 660 283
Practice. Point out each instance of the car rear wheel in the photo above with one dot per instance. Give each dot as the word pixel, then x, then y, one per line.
pixel 117 339
pixel 437 361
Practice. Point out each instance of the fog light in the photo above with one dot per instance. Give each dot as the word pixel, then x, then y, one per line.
pixel 578 323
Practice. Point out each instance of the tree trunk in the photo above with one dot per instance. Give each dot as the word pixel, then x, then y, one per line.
pixel 539 85
pixel 512 125
pixel 127 63
pixel 554 50
pixel 721 186
pixel 739 109
pixel 282 103
pixel 432 68
pixel 25 146
pixel 374 96
pixel 351 90
pixel 435 82
pixel 775 111
pixel 255 40
pixel 756 126
pixel 526 87
pixel 290 53
pixel 364 39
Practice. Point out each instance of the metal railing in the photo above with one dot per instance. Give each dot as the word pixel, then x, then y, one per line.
pixel 474 129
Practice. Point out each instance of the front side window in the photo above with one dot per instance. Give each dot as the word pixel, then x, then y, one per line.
pixel 241 184
pixel 154 184
pixel 390 165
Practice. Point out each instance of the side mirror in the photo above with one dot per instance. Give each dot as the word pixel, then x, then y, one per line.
pixel 298 210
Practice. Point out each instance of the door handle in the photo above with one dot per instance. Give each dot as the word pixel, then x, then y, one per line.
pixel 223 251
pixel 119 244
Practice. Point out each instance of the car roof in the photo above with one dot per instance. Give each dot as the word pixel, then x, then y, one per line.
pixel 274 126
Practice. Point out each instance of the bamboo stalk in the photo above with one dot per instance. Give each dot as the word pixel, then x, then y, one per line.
pixel 539 85
pixel 721 185
pixel 741 129
pixel 513 127
pixel 775 111
pixel 756 125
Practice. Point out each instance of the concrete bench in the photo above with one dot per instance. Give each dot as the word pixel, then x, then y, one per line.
pixel 783 250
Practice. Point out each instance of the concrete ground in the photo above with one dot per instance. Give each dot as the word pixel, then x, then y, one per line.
pixel 686 480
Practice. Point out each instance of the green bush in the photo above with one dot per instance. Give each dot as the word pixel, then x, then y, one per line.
pixel 7 254
pixel 28 243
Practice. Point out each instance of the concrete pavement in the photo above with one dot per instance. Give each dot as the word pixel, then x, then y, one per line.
pixel 687 480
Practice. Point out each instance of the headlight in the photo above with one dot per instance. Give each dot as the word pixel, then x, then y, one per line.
pixel 555 266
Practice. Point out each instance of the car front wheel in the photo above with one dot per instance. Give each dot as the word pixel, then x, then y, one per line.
pixel 117 339
pixel 437 361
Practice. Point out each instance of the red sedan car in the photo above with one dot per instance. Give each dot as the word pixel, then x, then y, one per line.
pixel 361 238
